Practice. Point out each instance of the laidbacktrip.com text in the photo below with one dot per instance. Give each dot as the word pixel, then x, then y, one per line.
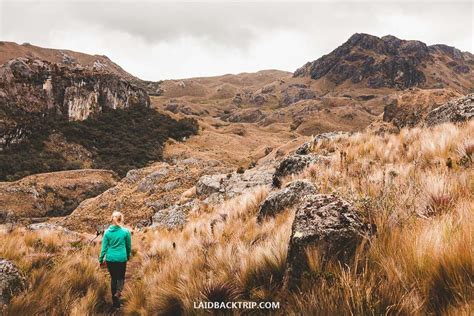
pixel 236 305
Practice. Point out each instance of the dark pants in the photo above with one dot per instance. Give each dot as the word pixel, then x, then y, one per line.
pixel 117 278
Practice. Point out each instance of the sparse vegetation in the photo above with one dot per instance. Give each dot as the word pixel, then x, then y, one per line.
pixel 119 140
pixel 419 263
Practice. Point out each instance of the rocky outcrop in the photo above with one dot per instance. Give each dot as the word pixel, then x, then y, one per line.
pixel 175 106
pixel 150 183
pixel 458 110
pixel 330 136
pixel 242 97
pixel 12 281
pixel 387 62
pixel 49 227
pixel 325 223
pixel 410 107
pixel 52 194
pixel 288 197
pixel 32 89
pixel 173 217
pixel 292 165
pixel 295 93
pixel 218 187
pixel 244 116
pixel 151 195
pixel 307 147
pixel 259 99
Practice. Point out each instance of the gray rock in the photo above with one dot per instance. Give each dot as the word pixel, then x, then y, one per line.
pixel 49 226
pixel 174 216
pixel 304 149
pixel 7 216
pixel 151 182
pixel 12 281
pixel 330 136
pixel 143 223
pixel 329 224
pixel 171 185
pixel 217 188
pixel 290 196
pixel 209 184
pixel 292 165
pixel 459 110
pixel 132 176
pixel 268 89
pixel 157 205
pixel 20 68
pixel 259 99
pixel 191 161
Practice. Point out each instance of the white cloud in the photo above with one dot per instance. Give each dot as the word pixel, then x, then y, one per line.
pixel 158 40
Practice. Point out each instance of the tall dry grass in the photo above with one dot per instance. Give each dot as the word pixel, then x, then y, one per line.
pixel 62 270
pixel 417 187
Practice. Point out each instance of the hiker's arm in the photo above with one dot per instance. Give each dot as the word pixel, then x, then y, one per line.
pixel 128 244
pixel 105 245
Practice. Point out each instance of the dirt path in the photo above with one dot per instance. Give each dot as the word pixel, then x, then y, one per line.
pixel 131 275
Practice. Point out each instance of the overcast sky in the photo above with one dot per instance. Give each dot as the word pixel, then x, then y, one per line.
pixel 163 40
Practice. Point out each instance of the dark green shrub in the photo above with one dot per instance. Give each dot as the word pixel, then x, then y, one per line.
pixel 119 140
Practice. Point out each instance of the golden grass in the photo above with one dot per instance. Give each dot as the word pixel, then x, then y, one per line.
pixel 63 280
pixel 421 261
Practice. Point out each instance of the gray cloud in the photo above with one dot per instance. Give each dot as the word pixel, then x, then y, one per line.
pixel 157 40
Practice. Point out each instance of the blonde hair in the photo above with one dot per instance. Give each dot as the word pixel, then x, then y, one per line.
pixel 117 218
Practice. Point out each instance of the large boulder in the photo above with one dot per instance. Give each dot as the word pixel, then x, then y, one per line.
pixel 290 196
pixel 330 225
pixel 174 216
pixel 11 281
pixel 216 188
pixel 209 184
pixel 459 110
pixel 54 193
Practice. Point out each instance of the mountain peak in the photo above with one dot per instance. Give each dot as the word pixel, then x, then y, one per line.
pixel 391 62
pixel 362 39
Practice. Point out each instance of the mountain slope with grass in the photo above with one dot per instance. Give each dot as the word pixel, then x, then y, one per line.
pixel 330 191
pixel 414 186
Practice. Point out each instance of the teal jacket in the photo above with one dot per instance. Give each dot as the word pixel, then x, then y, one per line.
pixel 116 244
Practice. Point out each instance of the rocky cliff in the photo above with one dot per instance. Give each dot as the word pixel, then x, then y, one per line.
pixel 458 110
pixel 33 89
pixel 64 57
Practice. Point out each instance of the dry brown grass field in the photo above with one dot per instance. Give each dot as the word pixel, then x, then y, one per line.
pixel 416 186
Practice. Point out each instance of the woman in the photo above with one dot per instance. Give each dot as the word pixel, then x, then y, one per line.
pixel 116 247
